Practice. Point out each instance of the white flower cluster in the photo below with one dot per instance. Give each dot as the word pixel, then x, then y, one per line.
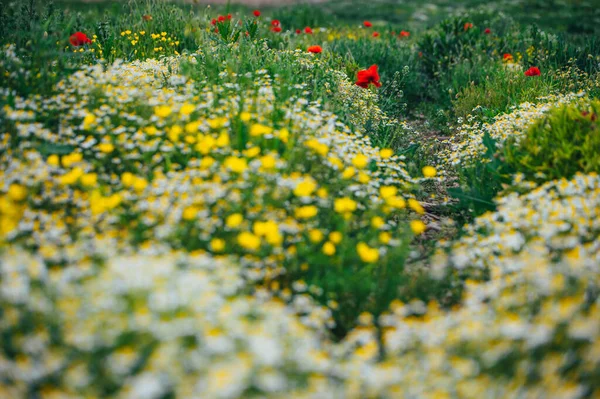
pixel 466 145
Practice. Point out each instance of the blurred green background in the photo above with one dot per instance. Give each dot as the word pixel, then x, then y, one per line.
pixel 572 16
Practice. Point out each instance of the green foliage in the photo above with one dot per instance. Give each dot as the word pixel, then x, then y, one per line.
pixel 480 184
pixel 563 143
pixel 397 65
pixel 498 90
pixel 300 16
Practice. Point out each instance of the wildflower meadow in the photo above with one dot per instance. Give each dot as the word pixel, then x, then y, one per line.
pixel 339 199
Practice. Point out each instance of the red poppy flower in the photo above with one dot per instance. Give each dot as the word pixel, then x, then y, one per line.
pixel 375 34
pixel 507 57
pixel 79 39
pixel 367 77
pixel 487 31
pixel 367 24
pixel 147 17
pixel 298 31
pixel 315 49
pixel 275 22
pixel 468 26
pixel 308 30
pixel 404 34
pixel 213 22
pixel 256 13
pixel 420 54
pixel 228 17
pixel 221 18
pixel 276 29
pixel 533 71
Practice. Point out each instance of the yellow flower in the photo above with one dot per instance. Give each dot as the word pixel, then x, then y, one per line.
pixel 264 229
pixel 245 116
pixel 335 237
pixel 396 202
pixel 217 123
pixel 53 160
pixel 306 212
pixel 139 184
pixel 223 139
pixel 248 241
pixel 416 206
pixel 192 127
pixel 305 188
pixel 189 213
pixel 88 121
pixel 284 135
pixel 16 192
pixel 336 162
pixel 71 159
pixel 89 179
pixel 385 237
pixel 267 162
pixel 344 205
pixel 106 147
pixel 348 173
pixel 127 179
pixel 72 176
pixel 329 248
pixel 360 161
pixel 217 244
pixel 429 171
pixel 186 109
pixel 363 178
pixel 252 152
pixel 386 153
pixel 377 222
pixel 174 133
pixel 318 147
pixel 162 111
pixel 388 191
pixel 205 144
pixel 151 130
pixel 234 220
pixel 274 238
pixel 207 162
pixel 417 226
pixel 235 164
pixel 366 253
pixel 315 236
pixel 260 130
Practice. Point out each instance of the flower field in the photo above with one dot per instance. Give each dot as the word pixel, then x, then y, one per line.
pixel 299 202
